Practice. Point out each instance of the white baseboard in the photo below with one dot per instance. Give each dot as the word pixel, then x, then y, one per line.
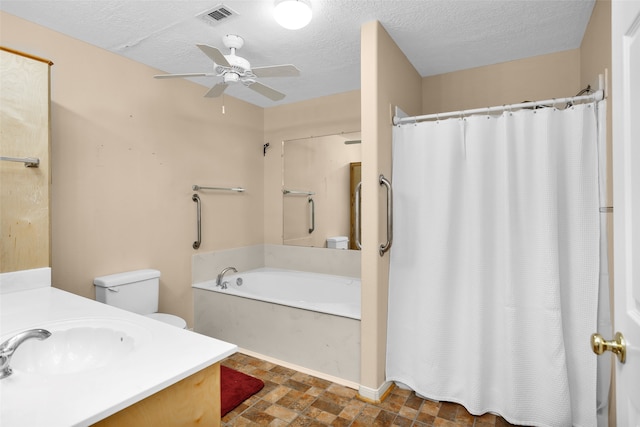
pixel 302 369
pixel 374 394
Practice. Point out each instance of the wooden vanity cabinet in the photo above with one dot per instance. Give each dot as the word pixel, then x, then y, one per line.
pixel 194 401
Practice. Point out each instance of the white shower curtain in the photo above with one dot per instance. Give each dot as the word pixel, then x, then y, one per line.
pixel 493 283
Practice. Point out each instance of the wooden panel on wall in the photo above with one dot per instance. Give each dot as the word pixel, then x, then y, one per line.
pixel 24 191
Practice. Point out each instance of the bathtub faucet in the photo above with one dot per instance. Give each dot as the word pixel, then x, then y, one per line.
pixel 219 282
pixel 8 347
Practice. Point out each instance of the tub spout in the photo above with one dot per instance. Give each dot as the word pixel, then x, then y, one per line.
pixel 219 282
pixel 8 347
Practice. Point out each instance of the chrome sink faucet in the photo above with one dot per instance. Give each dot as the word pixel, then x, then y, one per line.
pixel 8 347
pixel 219 282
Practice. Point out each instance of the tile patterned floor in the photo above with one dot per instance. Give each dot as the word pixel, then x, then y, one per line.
pixel 291 398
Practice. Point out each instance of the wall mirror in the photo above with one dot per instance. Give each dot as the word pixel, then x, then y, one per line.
pixel 318 181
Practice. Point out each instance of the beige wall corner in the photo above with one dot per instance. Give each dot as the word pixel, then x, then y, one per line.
pixel 595 58
pixel 387 79
pixel 595 50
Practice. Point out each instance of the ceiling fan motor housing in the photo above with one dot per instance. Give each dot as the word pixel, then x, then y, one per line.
pixel 237 64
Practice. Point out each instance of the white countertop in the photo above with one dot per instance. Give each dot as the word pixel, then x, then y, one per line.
pixel 164 356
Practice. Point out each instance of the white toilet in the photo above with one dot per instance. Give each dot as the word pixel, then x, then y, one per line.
pixel 135 291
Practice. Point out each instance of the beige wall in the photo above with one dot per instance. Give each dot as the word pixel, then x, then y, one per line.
pixel 595 57
pixel 387 79
pixel 126 149
pixel 541 77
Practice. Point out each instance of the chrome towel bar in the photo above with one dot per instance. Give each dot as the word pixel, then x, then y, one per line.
pixel 196 199
pixel 297 193
pixel 312 205
pixel 387 245
pixel 236 189
pixel 29 162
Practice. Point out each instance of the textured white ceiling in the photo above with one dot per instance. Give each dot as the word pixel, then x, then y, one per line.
pixel 437 36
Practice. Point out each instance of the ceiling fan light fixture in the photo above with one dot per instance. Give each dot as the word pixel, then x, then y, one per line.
pixel 230 77
pixel 292 14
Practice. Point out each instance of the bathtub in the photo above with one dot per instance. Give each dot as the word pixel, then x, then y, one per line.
pixel 305 320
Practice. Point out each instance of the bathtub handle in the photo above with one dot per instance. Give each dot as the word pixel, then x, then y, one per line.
pixel 196 199
pixel 312 205
pixel 386 246
pixel 356 204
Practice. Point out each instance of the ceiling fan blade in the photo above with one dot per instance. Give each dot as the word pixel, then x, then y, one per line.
pixel 265 90
pixel 214 54
pixel 287 70
pixel 216 91
pixel 173 76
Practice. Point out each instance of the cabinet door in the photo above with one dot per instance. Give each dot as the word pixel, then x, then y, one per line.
pixel 24 191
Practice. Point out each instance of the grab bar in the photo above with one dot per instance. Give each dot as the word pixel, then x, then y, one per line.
pixel 313 215
pixel 236 189
pixel 357 215
pixel 297 193
pixel 386 246
pixel 196 199
pixel 29 162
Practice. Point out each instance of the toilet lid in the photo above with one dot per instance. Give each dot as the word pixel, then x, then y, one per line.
pixel 169 318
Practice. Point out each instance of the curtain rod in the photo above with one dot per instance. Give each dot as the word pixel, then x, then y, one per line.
pixel 596 96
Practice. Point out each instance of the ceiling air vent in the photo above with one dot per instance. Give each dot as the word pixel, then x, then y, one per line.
pixel 218 15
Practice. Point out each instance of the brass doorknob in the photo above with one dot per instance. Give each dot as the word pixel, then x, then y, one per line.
pixel 618 346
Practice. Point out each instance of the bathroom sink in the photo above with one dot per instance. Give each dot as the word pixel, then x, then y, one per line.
pixel 78 346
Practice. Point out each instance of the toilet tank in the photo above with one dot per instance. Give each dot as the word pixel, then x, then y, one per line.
pixel 135 291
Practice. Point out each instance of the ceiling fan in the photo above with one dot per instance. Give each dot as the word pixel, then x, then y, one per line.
pixel 233 68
